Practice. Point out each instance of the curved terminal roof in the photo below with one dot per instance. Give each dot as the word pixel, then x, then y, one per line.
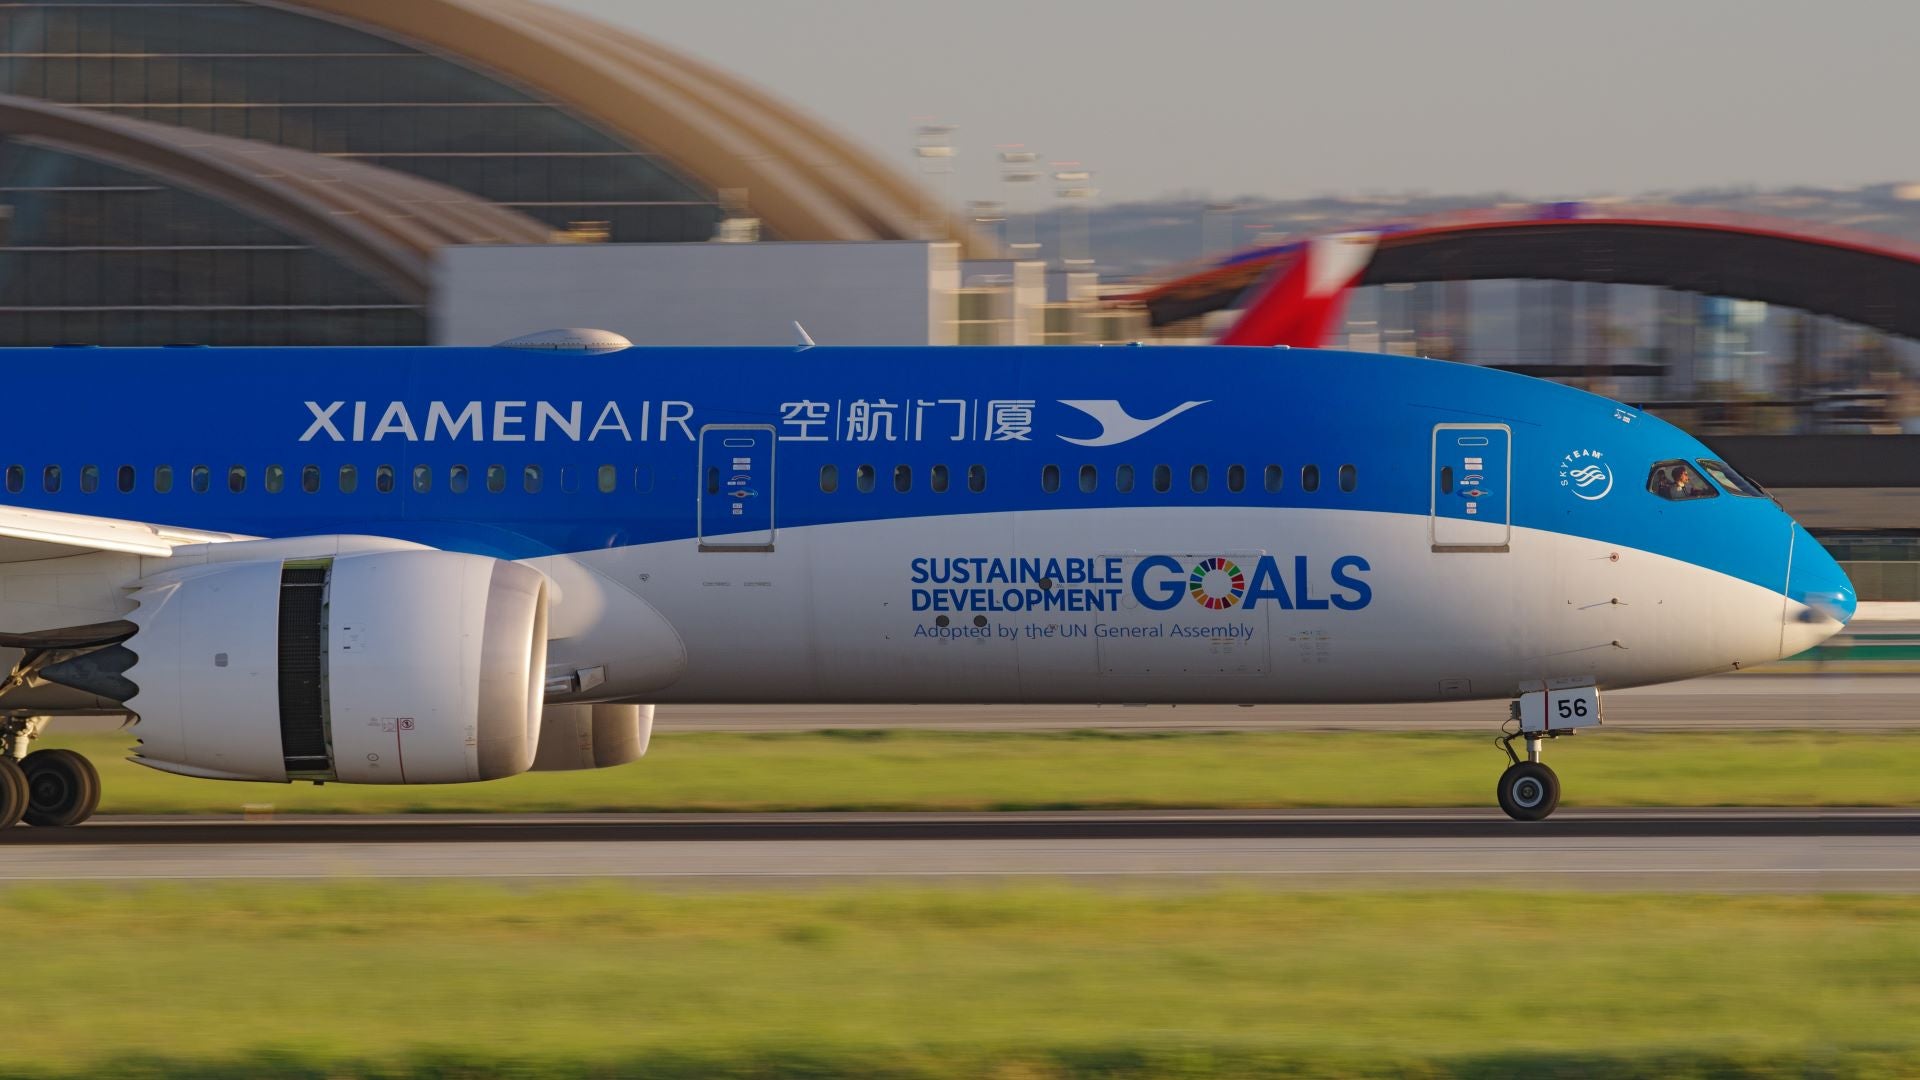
pixel 386 222
pixel 1863 278
pixel 804 180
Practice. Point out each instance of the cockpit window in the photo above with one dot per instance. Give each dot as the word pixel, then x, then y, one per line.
pixel 1678 481
pixel 1730 478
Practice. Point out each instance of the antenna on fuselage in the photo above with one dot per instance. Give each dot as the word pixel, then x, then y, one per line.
pixel 806 339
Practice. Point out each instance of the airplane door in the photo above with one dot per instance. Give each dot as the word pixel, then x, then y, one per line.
pixel 1471 486
pixel 736 487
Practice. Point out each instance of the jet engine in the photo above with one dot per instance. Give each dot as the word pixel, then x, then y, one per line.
pixel 592 736
pixel 383 667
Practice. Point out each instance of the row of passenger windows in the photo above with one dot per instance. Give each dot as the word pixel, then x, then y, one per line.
pixel 1124 478
pixel 607 478
pixel 277 478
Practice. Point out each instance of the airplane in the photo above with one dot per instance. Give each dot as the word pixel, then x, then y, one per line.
pixel 414 565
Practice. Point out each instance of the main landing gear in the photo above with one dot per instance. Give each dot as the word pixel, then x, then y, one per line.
pixel 1529 790
pixel 46 787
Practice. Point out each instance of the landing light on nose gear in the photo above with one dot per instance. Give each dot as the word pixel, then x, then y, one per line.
pixel 1529 790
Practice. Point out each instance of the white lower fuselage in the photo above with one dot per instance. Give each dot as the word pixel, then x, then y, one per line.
pixel 829 615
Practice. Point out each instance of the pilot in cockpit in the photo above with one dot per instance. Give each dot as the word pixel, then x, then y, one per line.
pixel 1678 481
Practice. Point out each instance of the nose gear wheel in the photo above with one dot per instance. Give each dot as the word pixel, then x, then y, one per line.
pixel 1528 791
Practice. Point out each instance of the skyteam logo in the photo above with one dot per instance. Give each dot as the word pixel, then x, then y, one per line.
pixel 1586 474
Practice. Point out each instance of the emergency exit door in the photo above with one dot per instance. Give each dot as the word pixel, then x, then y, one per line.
pixel 1471 485
pixel 736 487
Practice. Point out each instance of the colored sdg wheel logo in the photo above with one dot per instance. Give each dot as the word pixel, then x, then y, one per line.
pixel 1217 584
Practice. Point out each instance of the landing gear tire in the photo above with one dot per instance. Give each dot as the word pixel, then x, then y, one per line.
pixel 13 792
pixel 1529 791
pixel 63 788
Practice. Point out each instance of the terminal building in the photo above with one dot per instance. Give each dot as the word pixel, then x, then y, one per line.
pixel 288 173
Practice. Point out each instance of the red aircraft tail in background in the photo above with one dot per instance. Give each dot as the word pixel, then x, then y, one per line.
pixel 1301 304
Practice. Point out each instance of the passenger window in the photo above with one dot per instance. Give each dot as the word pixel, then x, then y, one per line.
pixel 1674 480
pixel 1309 478
pixel 275 479
pixel 1089 479
pixel 16 479
pixel 236 479
pixel 1731 479
pixel 903 478
pixel 569 480
pixel 124 481
pixel 422 479
pixel 1349 478
pixel 829 478
pixel 937 479
pixel 1197 478
pixel 310 479
pixel 643 479
pixel 1162 479
pixel 200 479
pixel 1236 478
pixel 863 477
pixel 713 480
pixel 163 478
pixel 457 479
pixel 50 478
pixel 608 479
pixel 530 479
pixel 89 479
pixel 383 479
pixel 496 478
pixel 976 478
pixel 1123 479
pixel 1276 479
pixel 349 479
pixel 1446 479
pixel 1050 479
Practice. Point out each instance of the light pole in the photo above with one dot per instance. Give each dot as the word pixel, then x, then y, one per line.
pixel 1019 169
pixel 1073 184
pixel 933 148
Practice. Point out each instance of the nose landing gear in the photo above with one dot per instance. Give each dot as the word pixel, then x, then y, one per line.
pixel 1528 790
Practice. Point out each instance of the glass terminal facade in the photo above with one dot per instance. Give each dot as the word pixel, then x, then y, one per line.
pixel 98 253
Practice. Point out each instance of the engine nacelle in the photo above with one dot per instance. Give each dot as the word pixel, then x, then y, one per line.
pixel 592 736
pixel 388 667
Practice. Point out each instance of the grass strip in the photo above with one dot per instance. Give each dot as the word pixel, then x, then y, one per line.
pixel 1030 981
pixel 966 771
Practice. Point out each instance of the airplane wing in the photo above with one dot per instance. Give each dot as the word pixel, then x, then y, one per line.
pixel 27 535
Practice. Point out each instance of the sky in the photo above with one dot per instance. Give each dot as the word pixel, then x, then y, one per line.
pixel 1541 98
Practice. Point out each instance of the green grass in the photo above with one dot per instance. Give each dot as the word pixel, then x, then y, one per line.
pixel 870 770
pixel 1017 982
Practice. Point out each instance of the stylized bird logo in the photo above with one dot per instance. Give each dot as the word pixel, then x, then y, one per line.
pixel 1117 425
pixel 1584 479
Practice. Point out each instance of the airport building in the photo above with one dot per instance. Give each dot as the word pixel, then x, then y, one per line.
pixel 287 173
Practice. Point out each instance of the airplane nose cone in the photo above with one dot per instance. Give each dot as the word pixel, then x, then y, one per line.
pixel 1820 599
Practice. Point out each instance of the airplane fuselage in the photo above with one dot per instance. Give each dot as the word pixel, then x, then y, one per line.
pixel 995 525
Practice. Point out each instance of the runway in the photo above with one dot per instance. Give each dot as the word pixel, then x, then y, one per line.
pixel 1743 702
pixel 1772 851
